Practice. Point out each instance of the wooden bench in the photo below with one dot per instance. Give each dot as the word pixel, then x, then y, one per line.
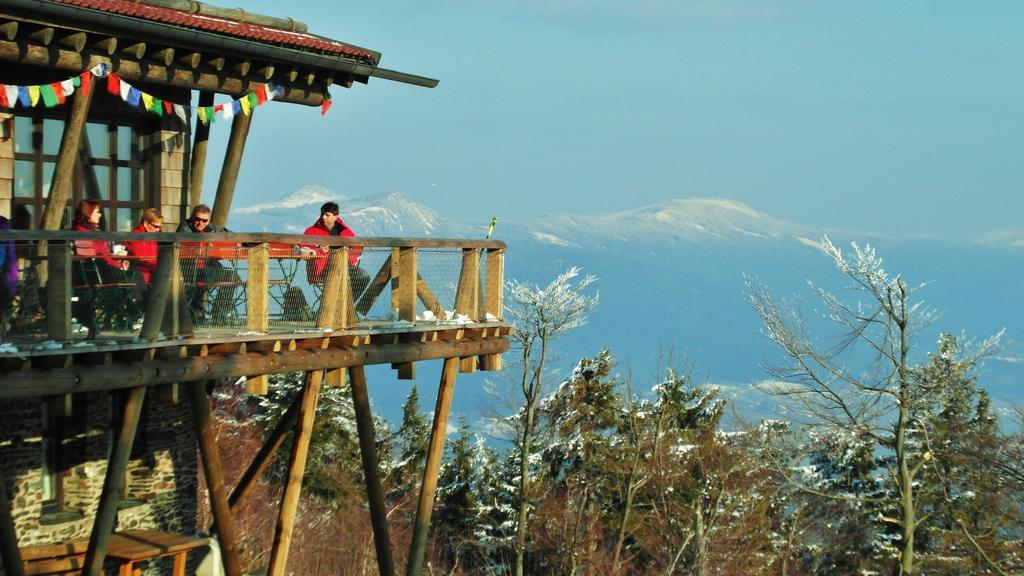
pixel 127 547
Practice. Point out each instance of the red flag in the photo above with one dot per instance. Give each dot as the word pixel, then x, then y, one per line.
pixel 3 97
pixel 113 84
pixel 168 107
pixel 58 91
pixel 326 104
pixel 86 83
pixel 261 95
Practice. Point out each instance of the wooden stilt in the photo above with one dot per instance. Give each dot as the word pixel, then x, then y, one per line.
pixel 200 141
pixel 210 455
pixel 266 454
pixel 336 278
pixel 296 469
pixel 9 554
pixel 229 172
pixel 159 291
pixel 368 449
pixel 257 288
pixel 418 547
pixel 113 483
pixel 60 186
pixel 408 281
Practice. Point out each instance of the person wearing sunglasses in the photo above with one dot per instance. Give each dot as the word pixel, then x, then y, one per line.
pixel 143 252
pixel 209 272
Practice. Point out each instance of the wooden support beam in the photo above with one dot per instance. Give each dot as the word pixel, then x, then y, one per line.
pixel 136 50
pixel 233 364
pixel 408 280
pixel 371 472
pixel 395 263
pixel 435 452
pixel 75 41
pixel 217 63
pixel 296 470
pixel 113 483
pixel 494 299
pixel 106 45
pixel 266 72
pixel 210 456
pixel 9 30
pixel 43 36
pixel 430 301
pixel 293 74
pixel 380 280
pixel 200 139
pixel 310 78
pixel 345 309
pixel 169 393
pixel 60 185
pixel 159 290
pixel 59 292
pixel 61 405
pixel 242 67
pixel 177 321
pixel 192 59
pixel 467 295
pixel 266 454
pixel 257 288
pixel 164 56
pixel 229 172
pixel 9 555
pixel 336 278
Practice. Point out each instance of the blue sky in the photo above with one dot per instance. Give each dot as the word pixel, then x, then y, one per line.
pixel 903 118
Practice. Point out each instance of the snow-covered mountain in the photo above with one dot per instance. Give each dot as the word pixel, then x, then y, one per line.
pixel 389 214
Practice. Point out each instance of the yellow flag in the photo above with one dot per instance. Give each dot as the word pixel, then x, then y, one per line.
pixel 245 105
pixel 33 94
pixel 202 115
pixel 147 100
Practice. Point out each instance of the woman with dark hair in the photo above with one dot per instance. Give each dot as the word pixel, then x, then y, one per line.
pixel 95 267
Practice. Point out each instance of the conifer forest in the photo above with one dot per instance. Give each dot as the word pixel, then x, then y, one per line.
pixel 885 455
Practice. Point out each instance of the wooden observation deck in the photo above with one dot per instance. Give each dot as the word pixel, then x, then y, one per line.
pixel 422 299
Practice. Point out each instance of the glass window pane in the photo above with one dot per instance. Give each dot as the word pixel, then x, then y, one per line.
pixel 124 142
pixel 98 140
pixel 102 180
pixel 125 220
pixel 126 189
pixel 22 134
pixel 53 130
pixel 24 217
pixel 24 179
pixel 48 168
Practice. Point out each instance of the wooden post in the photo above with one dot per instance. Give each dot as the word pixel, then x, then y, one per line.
pixel 368 450
pixel 418 547
pixel 177 321
pixel 494 299
pixel 407 283
pixel 396 263
pixel 113 483
pixel 60 186
pixel 59 292
pixel 257 292
pixel 159 291
pixel 380 280
pixel 210 455
pixel 296 469
pixel 467 295
pixel 430 301
pixel 9 554
pixel 229 172
pixel 334 282
pixel 200 141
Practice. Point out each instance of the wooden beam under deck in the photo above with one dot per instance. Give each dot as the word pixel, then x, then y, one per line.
pixel 29 381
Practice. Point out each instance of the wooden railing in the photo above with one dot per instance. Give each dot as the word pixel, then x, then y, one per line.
pixel 77 288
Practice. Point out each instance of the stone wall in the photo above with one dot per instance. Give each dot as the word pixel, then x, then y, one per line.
pixel 161 481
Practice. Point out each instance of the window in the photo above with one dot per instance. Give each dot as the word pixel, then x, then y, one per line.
pixel 61 442
pixel 112 167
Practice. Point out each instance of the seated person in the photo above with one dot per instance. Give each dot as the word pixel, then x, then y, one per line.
pixel 208 271
pixel 329 224
pixel 97 264
pixel 144 251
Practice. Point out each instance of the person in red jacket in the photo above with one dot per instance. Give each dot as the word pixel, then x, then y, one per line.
pixel 143 252
pixel 95 266
pixel 329 224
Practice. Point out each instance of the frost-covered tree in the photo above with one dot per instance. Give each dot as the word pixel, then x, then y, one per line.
pixel 865 384
pixel 540 315
pixel 410 444
pixel 456 508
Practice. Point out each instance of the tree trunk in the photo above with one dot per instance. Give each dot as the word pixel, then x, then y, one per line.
pixel 700 543
pixel 531 393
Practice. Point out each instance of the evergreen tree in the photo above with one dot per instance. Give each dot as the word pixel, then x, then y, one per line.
pixel 456 506
pixel 410 443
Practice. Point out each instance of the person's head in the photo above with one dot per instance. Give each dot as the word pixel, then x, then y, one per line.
pixel 152 221
pixel 89 212
pixel 200 217
pixel 329 214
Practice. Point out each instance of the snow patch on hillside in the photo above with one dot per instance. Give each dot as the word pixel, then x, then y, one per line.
pixel 302 197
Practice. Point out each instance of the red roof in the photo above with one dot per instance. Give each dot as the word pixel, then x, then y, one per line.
pixel 254 32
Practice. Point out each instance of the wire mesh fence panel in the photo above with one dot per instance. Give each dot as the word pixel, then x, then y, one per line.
pixel 93 290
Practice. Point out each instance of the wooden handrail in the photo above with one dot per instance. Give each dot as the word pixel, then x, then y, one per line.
pixel 253 238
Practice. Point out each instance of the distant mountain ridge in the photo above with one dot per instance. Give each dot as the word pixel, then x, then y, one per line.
pixel 672 274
